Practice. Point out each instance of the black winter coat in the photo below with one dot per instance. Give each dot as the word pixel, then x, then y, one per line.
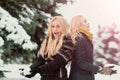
pixel 82 67
pixel 54 68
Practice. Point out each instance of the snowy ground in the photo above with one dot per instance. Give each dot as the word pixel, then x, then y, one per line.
pixel 14 73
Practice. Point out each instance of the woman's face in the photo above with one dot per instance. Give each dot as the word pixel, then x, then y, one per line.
pixel 85 23
pixel 56 29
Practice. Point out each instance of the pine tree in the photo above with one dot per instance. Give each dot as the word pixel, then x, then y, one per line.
pixel 33 15
pixel 107 45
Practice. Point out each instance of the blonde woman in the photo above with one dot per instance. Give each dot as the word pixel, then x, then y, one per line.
pixel 82 67
pixel 55 52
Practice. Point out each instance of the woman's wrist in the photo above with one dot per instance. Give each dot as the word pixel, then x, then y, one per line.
pixel 100 68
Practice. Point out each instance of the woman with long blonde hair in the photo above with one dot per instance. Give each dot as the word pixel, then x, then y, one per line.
pixel 82 67
pixel 55 39
pixel 55 52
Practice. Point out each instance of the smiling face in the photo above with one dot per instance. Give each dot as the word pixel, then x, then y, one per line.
pixel 56 29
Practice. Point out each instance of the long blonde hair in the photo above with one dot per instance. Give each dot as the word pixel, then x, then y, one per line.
pixel 75 25
pixel 52 45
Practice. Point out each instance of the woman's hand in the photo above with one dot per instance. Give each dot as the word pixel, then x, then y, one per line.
pixel 31 74
pixel 108 70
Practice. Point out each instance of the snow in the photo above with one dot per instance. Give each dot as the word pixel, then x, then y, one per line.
pixel 1 63
pixel 1 41
pixel 17 32
pixel 112 44
pixel 14 73
pixel 28 14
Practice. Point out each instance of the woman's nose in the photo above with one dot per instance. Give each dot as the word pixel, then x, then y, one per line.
pixel 55 28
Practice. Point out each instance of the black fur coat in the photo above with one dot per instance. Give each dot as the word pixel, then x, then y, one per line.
pixel 54 67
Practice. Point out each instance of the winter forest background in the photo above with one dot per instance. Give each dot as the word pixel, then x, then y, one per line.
pixel 23 25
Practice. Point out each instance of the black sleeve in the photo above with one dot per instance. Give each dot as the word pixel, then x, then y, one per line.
pixel 37 62
pixel 81 57
pixel 34 70
pixel 61 58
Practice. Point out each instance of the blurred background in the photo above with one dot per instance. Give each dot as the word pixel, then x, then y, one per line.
pixel 23 26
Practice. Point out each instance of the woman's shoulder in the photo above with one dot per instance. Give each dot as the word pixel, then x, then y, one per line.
pixel 67 41
pixel 79 37
pixel 67 37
